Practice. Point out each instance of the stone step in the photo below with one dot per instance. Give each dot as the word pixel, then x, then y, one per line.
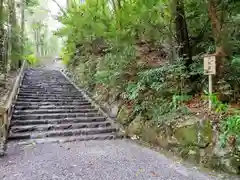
pixel 45 111
pixel 36 95
pixel 27 104
pixel 105 136
pixel 55 78
pixel 53 116
pixel 58 121
pixel 48 127
pixel 45 82
pixel 67 132
pixel 57 93
pixel 42 83
pixel 50 97
pixel 47 87
pixel 17 108
pixel 42 79
pixel 47 77
pixel 41 76
pixel 37 76
pixel 25 86
pixel 51 100
pixel 44 91
pixel 50 109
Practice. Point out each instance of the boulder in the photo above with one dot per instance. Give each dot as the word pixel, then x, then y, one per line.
pixel 135 127
pixel 124 116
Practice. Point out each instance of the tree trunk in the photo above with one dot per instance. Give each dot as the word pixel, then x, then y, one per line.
pixel 216 14
pixel 10 32
pixel 1 39
pixel 182 33
pixel 171 35
pixel 22 29
pixel 37 43
pixel 14 36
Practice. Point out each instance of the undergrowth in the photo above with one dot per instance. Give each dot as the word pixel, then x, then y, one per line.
pixel 130 48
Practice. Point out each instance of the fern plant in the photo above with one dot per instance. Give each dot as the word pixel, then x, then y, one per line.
pixel 231 129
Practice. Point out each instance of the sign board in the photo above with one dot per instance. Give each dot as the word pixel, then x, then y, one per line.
pixel 209 65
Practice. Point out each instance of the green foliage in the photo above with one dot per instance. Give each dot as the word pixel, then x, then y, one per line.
pixel 168 79
pixel 65 56
pixel 16 46
pixel 230 124
pixel 115 67
pixel 112 45
pixel 179 99
pixel 217 105
pixel 31 3
pixel 231 128
pixel 233 77
pixel 32 59
pixel 158 82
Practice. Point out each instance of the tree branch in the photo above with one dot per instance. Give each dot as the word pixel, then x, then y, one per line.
pixel 60 7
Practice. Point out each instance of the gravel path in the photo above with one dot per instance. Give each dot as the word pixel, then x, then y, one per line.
pixel 92 160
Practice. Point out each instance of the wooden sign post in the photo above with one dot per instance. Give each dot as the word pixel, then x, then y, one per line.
pixel 210 69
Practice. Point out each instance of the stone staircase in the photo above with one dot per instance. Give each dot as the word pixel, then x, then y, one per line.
pixel 49 108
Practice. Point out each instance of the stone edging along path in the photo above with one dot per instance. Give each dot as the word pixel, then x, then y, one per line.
pixel 7 108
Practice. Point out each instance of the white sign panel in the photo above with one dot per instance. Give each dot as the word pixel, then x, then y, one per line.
pixel 209 65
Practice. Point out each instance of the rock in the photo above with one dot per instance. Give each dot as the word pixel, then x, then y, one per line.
pixel 135 127
pixel 152 134
pixel 134 137
pixel 194 132
pixel 187 132
pixel 124 116
pixel 192 152
pixel 188 121
pixel 206 132
pixel 231 163
pixel 114 108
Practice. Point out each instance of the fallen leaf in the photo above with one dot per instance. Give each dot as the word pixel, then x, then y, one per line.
pixel 154 174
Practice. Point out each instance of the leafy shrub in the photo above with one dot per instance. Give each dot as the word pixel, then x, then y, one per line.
pixel 106 41
pixel 233 78
pixel 164 81
pixel 32 60
pixel 231 129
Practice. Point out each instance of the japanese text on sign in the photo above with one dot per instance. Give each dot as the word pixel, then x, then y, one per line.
pixel 209 65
